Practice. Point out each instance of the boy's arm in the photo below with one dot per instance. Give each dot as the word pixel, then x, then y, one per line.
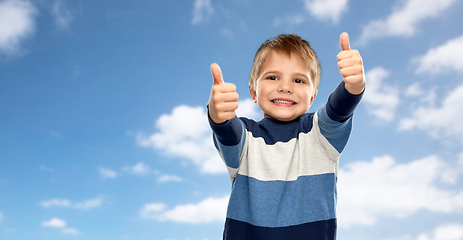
pixel 335 120
pixel 345 98
pixel 228 131
pixel 341 103
pixel 229 139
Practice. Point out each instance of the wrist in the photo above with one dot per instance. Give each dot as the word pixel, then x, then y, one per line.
pixel 355 89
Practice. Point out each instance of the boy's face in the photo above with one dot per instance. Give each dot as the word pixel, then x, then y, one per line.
pixel 284 90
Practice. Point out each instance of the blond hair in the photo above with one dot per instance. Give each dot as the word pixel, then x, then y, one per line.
pixel 287 44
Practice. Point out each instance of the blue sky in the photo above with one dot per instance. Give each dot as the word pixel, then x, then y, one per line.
pixel 103 131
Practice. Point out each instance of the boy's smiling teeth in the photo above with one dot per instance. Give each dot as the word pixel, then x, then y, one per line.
pixel 283 102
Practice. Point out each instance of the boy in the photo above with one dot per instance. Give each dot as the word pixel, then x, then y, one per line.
pixel 284 168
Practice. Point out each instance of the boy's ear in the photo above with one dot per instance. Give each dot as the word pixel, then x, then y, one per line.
pixel 253 94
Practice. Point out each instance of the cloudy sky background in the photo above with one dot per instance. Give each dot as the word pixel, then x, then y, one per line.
pixel 103 130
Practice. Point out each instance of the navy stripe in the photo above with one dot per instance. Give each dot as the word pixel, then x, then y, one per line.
pixel 273 131
pixel 283 203
pixel 320 230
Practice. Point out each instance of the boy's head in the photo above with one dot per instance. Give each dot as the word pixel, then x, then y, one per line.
pixel 290 45
pixel 285 77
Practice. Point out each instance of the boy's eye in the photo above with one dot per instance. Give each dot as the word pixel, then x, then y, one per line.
pixel 272 78
pixel 298 81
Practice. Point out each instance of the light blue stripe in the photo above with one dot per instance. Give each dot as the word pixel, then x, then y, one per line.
pixel 335 132
pixel 231 154
pixel 283 203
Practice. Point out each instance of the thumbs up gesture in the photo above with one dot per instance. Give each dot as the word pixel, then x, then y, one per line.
pixel 224 99
pixel 350 65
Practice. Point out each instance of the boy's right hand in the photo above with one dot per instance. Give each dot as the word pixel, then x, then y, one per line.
pixel 223 100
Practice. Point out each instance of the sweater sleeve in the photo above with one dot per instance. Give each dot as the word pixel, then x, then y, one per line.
pixel 335 118
pixel 341 104
pixel 229 132
pixel 229 138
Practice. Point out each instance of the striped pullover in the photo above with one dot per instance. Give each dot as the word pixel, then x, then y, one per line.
pixel 284 174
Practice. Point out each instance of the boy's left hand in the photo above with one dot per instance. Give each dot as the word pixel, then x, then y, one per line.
pixel 350 65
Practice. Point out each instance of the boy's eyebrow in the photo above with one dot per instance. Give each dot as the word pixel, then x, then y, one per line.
pixel 271 71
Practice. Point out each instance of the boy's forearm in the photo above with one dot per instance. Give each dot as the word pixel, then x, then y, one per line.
pixel 341 103
pixel 229 132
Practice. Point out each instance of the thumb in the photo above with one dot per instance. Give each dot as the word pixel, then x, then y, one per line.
pixel 345 41
pixel 216 74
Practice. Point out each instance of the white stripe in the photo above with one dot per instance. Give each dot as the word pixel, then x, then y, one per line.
pixel 232 172
pixel 311 154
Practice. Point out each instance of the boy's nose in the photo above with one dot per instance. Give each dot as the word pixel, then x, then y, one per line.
pixel 285 87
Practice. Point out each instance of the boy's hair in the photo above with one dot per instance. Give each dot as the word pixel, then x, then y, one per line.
pixel 287 44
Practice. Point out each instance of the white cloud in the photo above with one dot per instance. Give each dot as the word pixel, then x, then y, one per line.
pixel 71 231
pixel 17 22
pixel 383 187
pixel 404 19
pixel 406 237
pixel 414 90
pixel 202 10
pixel 208 210
pixel 54 222
pixel 88 204
pixel 56 203
pixel 61 14
pixel 460 162
pixel 107 173
pixel 326 9
pixel 58 223
pixel 448 232
pixel 169 178
pixel 381 99
pixel 185 133
pixel 442 58
pixel 1 217
pixel 292 19
pixel 248 108
pixel 440 122
pixel 453 231
pixel 425 97
pixel 138 169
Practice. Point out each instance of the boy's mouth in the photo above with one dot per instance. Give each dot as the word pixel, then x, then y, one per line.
pixel 280 101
